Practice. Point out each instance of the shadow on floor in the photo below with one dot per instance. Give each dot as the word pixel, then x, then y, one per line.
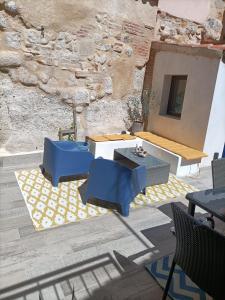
pixel 63 178
pixel 101 277
pixel 42 287
pixel 123 279
pixel 162 235
pixel 135 283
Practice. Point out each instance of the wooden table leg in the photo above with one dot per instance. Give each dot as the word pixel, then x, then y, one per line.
pixel 191 209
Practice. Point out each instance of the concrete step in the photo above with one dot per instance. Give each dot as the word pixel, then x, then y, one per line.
pixel 21 160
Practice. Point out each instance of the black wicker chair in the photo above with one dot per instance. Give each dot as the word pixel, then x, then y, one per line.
pixel 218 177
pixel 200 252
pixel 218 171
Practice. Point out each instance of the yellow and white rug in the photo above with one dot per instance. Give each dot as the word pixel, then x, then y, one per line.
pixel 49 206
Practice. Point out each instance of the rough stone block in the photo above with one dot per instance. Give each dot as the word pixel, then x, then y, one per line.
pixel 70 47
pixel 26 77
pixel 93 96
pixel 138 79
pixel 86 48
pixel 60 44
pixel 64 93
pixel 79 109
pixel 100 91
pixel 213 29
pixel 108 85
pixel 43 76
pixel 81 96
pixel 13 39
pixel 47 88
pixel 10 58
pixel 104 47
pixel 44 41
pixel 101 59
pixel 11 7
pixel 81 73
pixel 3 21
pixel 33 36
pixel 128 51
pixel 13 73
pixel 118 47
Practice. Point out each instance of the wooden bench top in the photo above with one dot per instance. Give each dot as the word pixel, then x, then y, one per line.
pixel 185 152
pixel 111 137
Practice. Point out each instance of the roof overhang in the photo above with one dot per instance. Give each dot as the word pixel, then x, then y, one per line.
pixel 208 50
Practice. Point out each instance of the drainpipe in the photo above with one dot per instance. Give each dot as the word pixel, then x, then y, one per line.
pixel 74 121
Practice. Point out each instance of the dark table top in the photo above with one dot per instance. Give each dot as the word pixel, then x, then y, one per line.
pixel 212 200
pixel 149 161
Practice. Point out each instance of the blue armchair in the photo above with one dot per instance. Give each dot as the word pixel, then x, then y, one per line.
pixel 110 181
pixel 65 158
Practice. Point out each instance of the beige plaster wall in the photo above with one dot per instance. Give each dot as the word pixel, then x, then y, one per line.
pixel 202 71
pixel 197 11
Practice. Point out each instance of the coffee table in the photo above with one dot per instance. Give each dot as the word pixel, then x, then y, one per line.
pixel 157 169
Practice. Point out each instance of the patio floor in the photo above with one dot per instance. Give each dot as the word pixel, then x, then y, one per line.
pixel 100 258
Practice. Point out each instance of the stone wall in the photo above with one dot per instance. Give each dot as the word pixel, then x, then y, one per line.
pixel 217 9
pixel 92 53
pixel 215 22
pixel 90 58
pixel 172 29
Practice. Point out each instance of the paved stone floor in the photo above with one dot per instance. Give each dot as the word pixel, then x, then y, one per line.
pixel 100 258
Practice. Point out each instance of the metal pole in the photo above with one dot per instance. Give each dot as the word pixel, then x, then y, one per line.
pixel 74 122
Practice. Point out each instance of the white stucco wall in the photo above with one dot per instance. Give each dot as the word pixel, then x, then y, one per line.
pixel 197 11
pixel 202 71
pixel 215 136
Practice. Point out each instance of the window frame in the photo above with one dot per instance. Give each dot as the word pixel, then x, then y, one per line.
pixel 171 99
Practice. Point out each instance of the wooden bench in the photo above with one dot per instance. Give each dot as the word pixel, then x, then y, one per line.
pixel 184 160
pixel 185 152
pixel 104 145
pixel 111 137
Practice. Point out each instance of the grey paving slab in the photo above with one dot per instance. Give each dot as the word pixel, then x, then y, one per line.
pixel 15 222
pixel 8 205
pixel 82 254
pixel 13 212
pixel 9 235
pixel 10 194
pixel 26 231
pixel 20 160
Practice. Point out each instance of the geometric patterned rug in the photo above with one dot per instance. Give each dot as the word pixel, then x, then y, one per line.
pixel 50 206
pixel 181 286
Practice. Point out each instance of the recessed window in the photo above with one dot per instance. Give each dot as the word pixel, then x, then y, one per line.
pixel 176 95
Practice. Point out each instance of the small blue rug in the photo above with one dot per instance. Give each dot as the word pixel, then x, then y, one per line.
pixel 181 287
